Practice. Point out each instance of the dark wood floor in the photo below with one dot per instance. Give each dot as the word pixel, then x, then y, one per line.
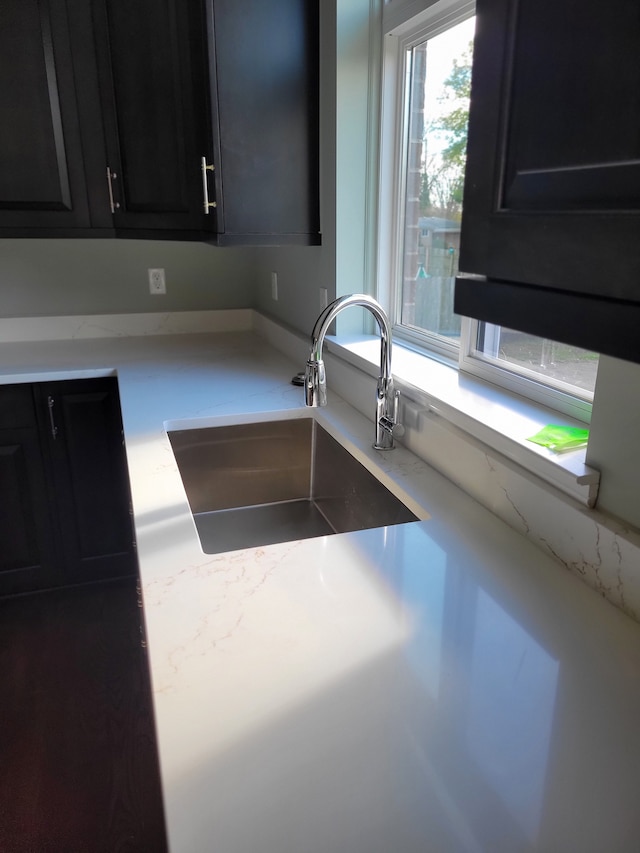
pixel 78 764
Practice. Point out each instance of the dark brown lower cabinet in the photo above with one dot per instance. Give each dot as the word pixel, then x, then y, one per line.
pixel 64 489
pixel 78 749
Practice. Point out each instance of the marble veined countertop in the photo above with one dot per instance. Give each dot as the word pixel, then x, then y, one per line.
pixel 431 687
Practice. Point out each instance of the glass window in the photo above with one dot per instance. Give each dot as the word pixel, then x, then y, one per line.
pixel 565 367
pixel 433 61
pixel 437 87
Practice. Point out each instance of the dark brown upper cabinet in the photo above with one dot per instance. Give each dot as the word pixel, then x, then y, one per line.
pixel 103 109
pixel 550 236
pixel 186 119
pixel 264 80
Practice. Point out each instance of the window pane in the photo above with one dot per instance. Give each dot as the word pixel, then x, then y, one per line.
pixel 437 85
pixel 436 69
pixel 567 367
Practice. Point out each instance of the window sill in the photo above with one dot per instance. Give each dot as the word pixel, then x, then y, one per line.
pixel 489 414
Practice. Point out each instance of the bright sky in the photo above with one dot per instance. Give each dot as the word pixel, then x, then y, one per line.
pixel 440 55
pixel 441 52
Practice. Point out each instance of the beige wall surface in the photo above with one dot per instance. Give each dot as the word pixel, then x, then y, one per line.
pixel 40 277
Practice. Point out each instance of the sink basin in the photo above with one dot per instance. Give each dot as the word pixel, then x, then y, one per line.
pixel 277 481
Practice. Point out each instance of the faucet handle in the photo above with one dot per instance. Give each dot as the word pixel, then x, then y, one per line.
pixel 388 426
pixel 397 428
pixel 394 429
pixel 315 383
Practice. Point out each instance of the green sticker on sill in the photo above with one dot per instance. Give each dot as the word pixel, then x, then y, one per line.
pixel 560 438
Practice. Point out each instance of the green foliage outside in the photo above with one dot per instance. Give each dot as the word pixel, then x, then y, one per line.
pixel 443 176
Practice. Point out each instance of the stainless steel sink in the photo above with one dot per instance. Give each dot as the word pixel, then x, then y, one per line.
pixel 276 481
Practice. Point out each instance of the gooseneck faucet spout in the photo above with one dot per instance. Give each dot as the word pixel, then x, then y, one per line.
pixel 315 382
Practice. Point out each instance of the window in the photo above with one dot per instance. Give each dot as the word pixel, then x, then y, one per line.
pixel 426 89
pixel 437 79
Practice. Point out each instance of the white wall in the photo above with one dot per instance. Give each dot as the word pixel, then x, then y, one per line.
pixel 614 439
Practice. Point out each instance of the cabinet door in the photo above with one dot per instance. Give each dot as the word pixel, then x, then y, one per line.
pixel 27 560
pixel 152 75
pixel 552 192
pixel 89 478
pixel 264 88
pixel 41 170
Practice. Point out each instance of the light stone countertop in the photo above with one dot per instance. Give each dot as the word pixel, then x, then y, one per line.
pixel 436 686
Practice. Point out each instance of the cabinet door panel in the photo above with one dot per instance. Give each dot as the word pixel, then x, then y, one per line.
pixel 26 543
pixel 89 473
pixel 152 66
pixel 16 407
pixel 17 519
pixel 41 177
pixel 265 98
pixel 572 133
pixel 552 192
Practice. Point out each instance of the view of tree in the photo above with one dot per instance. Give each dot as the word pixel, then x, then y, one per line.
pixel 443 173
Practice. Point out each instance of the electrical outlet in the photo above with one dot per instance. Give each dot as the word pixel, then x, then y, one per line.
pixel 157 284
pixel 274 286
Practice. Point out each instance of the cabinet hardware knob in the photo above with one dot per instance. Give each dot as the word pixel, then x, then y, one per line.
pixel 206 167
pixel 50 405
pixel 112 176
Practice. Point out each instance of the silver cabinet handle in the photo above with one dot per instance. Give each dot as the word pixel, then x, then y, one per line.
pixel 54 428
pixel 111 176
pixel 206 167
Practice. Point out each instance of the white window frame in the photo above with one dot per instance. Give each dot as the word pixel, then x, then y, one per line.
pixel 406 23
pixel 556 395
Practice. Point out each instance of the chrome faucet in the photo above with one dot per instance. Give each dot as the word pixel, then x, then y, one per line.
pixel 315 382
